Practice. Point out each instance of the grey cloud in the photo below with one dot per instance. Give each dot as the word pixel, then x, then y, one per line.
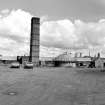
pixel 15 38
pixel 5 49
pixel 78 35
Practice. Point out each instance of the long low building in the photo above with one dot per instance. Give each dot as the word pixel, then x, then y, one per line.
pixel 67 57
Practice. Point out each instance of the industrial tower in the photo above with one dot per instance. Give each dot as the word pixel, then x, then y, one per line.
pixel 35 41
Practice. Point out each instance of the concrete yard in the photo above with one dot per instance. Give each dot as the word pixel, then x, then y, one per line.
pixel 51 86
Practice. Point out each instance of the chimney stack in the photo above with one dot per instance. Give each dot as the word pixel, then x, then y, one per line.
pixel 35 41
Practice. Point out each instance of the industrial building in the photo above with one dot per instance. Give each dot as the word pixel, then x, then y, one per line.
pixel 66 59
pixel 99 62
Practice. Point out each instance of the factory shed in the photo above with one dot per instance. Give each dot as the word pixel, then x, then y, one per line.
pixel 67 59
pixel 100 63
pixel 64 59
pixel 83 61
pixel 22 59
pixel 8 59
pixel 46 61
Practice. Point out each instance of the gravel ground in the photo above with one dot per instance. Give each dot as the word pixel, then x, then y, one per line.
pixel 51 86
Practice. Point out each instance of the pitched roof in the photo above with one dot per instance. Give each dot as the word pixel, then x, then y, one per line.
pixel 68 57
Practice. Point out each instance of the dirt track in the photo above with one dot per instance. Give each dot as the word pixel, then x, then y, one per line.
pixel 51 86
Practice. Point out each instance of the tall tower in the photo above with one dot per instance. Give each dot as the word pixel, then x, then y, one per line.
pixel 35 40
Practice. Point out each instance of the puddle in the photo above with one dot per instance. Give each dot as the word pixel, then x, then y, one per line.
pixel 10 93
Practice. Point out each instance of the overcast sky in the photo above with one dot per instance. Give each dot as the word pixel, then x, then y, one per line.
pixel 75 24
pixel 87 10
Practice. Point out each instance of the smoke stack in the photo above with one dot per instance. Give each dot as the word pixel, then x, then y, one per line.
pixel 98 55
pixel 80 54
pixel 34 40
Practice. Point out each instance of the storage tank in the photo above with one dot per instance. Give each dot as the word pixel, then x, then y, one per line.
pixel 35 40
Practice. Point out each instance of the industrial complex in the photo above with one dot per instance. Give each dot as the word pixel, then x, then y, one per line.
pixel 64 59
